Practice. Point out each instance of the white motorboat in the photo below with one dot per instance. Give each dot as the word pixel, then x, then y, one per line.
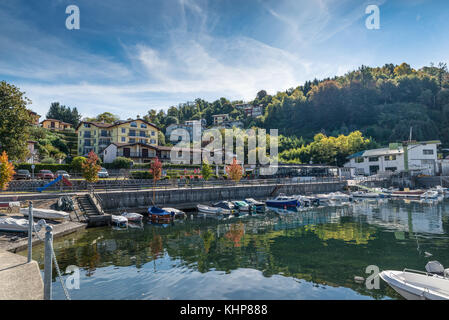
pixel 132 216
pixel 14 225
pixel 46 214
pixel 176 212
pixel 340 196
pixel 119 221
pixel 363 194
pixel 430 194
pixel 212 210
pixel 419 285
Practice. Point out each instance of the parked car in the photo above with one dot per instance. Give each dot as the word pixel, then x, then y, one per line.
pixel 103 173
pixel 45 174
pixel 63 173
pixel 22 174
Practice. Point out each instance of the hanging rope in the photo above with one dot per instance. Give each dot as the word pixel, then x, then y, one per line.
pixel 66 293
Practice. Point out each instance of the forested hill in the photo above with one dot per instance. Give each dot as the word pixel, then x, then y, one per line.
pixel 382 102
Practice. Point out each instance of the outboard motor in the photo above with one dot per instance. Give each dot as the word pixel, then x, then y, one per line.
pixel 435 267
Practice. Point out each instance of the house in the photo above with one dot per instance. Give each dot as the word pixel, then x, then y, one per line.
pixel 220 118
pixel 138 152
pixel 34 117
pixel 407 156
pixel 54 124
pixel 97 136
pixel 242 106
pixel 253 111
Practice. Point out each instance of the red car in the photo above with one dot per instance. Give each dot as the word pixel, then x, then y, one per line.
pixel 45 174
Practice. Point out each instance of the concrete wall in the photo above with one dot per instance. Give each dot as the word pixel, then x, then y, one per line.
pixel 188 198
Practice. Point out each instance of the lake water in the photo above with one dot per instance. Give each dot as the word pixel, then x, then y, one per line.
pixel 313 254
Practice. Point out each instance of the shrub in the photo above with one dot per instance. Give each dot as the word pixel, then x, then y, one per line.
pixel 141 175
pixel 122 163
pixel 77 164
pixel 48 160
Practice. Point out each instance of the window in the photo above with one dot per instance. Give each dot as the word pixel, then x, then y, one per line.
pixel 391 169
pixel 152 141
pixel 142 133
pixel 123 139
pixel 359 160
pixel 427 151
pixel 132 140
pixel 153 133
pixel 123 130
pixel 86 125
pixel 143 125
pixel 132 132
pixel 133 124
pixel 373 159
pixel 390 158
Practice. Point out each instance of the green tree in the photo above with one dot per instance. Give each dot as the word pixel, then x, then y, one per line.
pixel 15 122
pixel 77 164
pixel 206 170
pixel 63 113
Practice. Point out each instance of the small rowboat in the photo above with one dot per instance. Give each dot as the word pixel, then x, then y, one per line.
pixel 46 214
pixel 119 221
pixel 14 225
pixel 216 211
pixel 158 215
pixel 132 216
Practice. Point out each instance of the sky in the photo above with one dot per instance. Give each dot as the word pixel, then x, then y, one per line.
pixel 131 56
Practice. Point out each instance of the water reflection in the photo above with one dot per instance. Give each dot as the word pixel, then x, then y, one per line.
pixel 313 254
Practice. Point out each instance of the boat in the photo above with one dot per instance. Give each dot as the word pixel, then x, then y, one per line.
pixel 340 196
pixel 132 216
pixel 46 214
pixel 324 199
pixel 430 194
pixel 363 194
pixel 419 285
pixel 407 193
pixel 216 211
pixel 178 214
pixel 158 215
pixel 282 201
pixel 260 206
pixel 242 206
pixel 119 221
pixel 227 205
pixel 13 225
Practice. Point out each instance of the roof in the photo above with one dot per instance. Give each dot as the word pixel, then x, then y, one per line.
pixel 220 115
pixel 57 121
pixel 117 123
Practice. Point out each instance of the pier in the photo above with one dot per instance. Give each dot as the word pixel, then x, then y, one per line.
pixel 20 280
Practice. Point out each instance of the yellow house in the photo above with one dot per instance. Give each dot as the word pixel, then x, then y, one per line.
pixel 97 136
pixel 54 124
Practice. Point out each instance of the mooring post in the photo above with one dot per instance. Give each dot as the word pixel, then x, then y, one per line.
pixel 48 262
pixel 30 231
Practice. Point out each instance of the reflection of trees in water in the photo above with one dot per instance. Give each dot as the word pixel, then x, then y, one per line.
pixel 326 246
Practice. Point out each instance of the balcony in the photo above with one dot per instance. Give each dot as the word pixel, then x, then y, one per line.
pixel 136 154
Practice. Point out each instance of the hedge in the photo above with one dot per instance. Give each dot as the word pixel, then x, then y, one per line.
pixel 141 175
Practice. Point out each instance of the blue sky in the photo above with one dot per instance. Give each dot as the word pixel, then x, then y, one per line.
pixel 130 56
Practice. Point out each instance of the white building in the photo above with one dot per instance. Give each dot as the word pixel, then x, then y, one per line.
pixel 409 156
